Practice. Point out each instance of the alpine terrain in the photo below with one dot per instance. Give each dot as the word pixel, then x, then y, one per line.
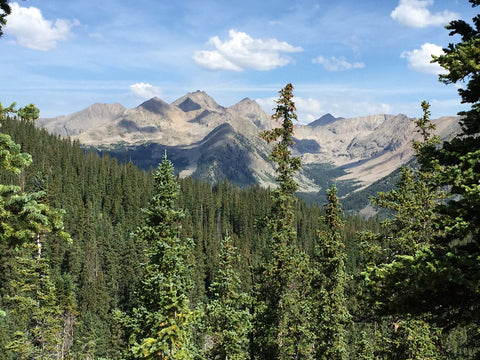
pixel 208 141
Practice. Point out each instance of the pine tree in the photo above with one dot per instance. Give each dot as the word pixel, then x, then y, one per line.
pixel 29 113
pixel 161 325
pixel 228 313
pixel 35 305
pixel 25 221
pixel 329 282
pixel 282 313
pixel 410 232
pixel 443 279
pixel 458 250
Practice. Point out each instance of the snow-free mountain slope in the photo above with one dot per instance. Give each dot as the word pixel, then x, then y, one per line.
pixel 207 140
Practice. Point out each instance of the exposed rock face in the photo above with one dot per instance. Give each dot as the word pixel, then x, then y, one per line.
pixel 324 120
pixel 79 122
pixel 210 141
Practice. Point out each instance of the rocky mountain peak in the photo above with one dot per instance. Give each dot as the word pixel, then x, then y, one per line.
pixel 189 105
pixel 81 121
pixel 154 105
pixel 200 134
pixel 195 101
pixel 324 120
pixel 250 109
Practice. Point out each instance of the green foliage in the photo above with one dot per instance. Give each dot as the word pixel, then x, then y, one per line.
pixel 34 305
pixel 438 247
pixel 106 267
pixel 287 165
pixel 460 162
pixel 29 113
pixel 161 324
pixel 11 159
pixel 329 280
pixel 26 220
pixel 5 11
pixel 399 251
pixel 282 317
pixel 227 314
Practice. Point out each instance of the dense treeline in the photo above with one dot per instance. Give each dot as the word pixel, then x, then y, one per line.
pixel 102 199
pixel 100 260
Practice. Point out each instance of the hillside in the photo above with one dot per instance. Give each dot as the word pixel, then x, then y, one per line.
pixel 211 142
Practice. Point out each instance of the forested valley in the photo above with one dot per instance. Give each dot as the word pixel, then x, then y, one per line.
pixel 101 260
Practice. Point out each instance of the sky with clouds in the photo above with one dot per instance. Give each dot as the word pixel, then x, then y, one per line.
pixel 345 57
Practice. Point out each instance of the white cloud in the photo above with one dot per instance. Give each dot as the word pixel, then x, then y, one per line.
pixel 144 91
pixel 337 64
pixel 308 109
pixel 242 52
pixel 414 13
pixel 420 59
pixel 33 31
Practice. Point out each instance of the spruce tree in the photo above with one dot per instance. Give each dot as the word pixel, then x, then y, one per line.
pixel 161 325
pixel 410 232
pixel 331 315
pixel 29 113
pixel 228 315
pixel 282 325
pixel 34 303
pixel 443 279
pixel 25 221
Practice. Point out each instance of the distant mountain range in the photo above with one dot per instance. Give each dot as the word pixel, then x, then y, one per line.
pixel 211 142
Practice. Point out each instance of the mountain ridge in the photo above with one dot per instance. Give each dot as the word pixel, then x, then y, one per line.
pixel 210 141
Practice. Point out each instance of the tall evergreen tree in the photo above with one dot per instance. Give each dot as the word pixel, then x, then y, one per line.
pixel 228 313
pixel 329 282
pixel 161 325
pixel 282 314
pixel 410 232
pixel 25 221
pixel 34 302
pixel 29 113
pixel 444 279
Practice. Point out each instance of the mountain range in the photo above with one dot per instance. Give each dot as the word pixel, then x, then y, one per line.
pixel 208 141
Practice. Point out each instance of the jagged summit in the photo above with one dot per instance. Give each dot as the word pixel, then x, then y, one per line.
pixel 194 129
pixel 253 111
pixel 324 120
pixel 195 101
pixel 154 105
pixel 189 105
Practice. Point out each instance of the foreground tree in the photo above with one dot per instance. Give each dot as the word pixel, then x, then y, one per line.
pixel 25 221
pixel 331 315
pixel 409 232
pixel 443 278
pixel 458 251
pixel 283 329
pixel 4 12
pixel 160 328
pixel 228 315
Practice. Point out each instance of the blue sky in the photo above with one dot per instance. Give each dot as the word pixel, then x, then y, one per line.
pixel 346 57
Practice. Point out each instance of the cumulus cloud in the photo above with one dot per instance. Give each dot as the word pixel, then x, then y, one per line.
pixel 415 13
pixel 144 91
pixel 420 59
pixel 308 109
pixel 242 52
pixel 33 31
pixel 337 64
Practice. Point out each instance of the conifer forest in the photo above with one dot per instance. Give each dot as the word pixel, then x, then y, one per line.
pixel 102 260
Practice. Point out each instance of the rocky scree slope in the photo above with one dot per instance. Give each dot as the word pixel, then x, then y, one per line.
pixel 209 141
